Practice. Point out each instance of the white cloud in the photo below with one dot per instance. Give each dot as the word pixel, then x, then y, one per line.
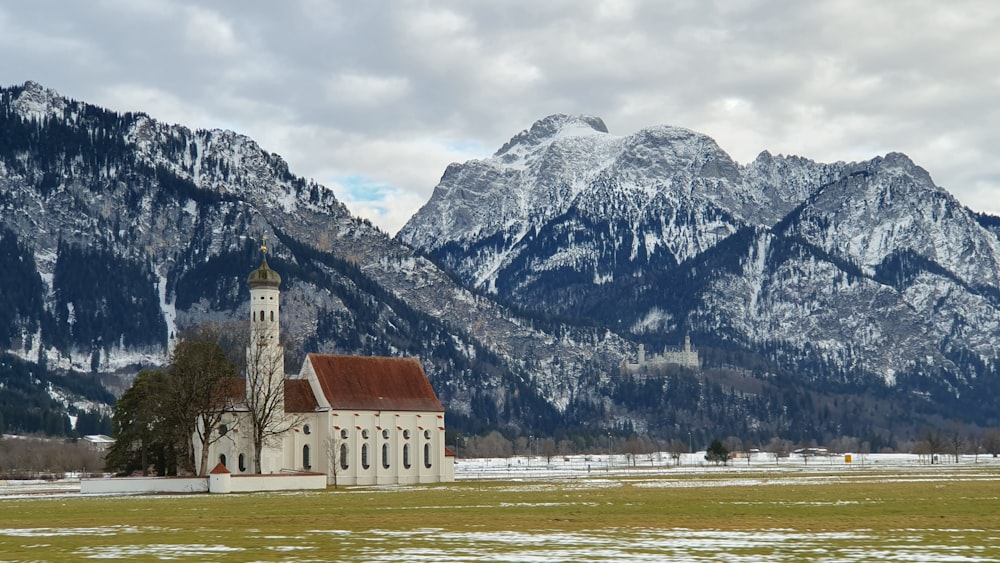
pixel 159 104
pixel 209 34
pixel 360 89
pixel 392 93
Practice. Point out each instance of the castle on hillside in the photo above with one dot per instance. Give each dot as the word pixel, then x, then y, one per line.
pixel 359 420
pixel 685 357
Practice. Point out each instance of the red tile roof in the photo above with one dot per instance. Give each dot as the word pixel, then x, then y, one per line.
pixel 299 396
pixel 374 383
pixel 230 391
pixel 219 469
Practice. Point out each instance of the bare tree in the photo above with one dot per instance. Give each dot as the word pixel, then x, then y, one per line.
pixel 491 445
pixel 956 443
pixel 265 391
pixel 676 447
pixel 201 394
pixel 522 446
pixel 864 449
pixel 337 452
pixel 733 444
pixel 975 444
pixel 779 447
pixel 748 449
pixel 931 444
pixel 991 441
pixel 546 447
pixel 565 447
pixel 631 448
pixel 35 457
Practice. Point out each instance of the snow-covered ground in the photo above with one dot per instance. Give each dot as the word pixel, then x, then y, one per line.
pixel 661 464
pixel 643 545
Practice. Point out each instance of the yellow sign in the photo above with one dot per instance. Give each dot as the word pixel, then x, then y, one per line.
pixel 847 458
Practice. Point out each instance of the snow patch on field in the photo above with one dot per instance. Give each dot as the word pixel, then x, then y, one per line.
pixel 613 544
pixel 158 551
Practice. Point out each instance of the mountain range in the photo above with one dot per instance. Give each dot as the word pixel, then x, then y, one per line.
pixel 825 299
pixel 861 273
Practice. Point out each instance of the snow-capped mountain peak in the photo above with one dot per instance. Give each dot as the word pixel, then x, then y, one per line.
pixel 867 267
pixel 551 128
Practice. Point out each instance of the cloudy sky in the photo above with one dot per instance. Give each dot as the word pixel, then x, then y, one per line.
pixel 374 99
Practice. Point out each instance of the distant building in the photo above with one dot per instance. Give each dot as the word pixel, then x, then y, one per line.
pixel 359 420
pixel 686 357
pixel 99 442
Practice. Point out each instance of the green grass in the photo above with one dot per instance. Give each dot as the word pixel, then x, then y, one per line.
pixel 841 516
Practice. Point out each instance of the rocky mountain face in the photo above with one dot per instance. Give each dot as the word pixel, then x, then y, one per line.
pixel 862 277
pixel 118 232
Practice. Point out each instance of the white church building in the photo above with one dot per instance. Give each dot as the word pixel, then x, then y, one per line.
pixel 359 420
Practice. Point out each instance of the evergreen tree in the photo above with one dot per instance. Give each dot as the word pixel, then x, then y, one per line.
pixel 143 436
pixel 717 453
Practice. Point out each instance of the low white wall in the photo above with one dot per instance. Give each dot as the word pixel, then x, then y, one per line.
pixel 143 485
pixel 237 484
pixel 279 482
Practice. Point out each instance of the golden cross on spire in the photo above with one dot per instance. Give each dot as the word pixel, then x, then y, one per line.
pixel 263 244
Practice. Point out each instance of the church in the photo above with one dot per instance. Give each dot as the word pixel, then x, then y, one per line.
pixel 359 420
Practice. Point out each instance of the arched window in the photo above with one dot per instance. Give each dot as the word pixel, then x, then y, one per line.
pixel 272 316
pixel 243 462
pixel 364 433
pixel 343 456
pixel 306 429
pixel 427 456
pixel 222 459
pixel 406 434
pixel 305 457
pixel 385 456
pixel 364 456
pixel 343 434
pixel 406 456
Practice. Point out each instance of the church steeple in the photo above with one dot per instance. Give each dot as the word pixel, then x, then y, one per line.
pixel 265 354
pixel 265 300
pixel 264 275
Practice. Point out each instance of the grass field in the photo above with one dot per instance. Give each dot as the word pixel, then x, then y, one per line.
pixel 931 514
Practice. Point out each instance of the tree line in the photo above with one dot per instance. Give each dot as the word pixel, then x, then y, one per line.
pixel 935 446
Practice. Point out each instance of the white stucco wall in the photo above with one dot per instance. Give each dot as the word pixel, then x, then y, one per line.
pixel 392 433
pixel 143 485
pixel 288 482
pixel 180 485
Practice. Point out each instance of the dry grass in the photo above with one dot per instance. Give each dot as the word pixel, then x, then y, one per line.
pixel 786 517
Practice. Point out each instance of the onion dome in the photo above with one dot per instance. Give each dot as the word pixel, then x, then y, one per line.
pixel 264 276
